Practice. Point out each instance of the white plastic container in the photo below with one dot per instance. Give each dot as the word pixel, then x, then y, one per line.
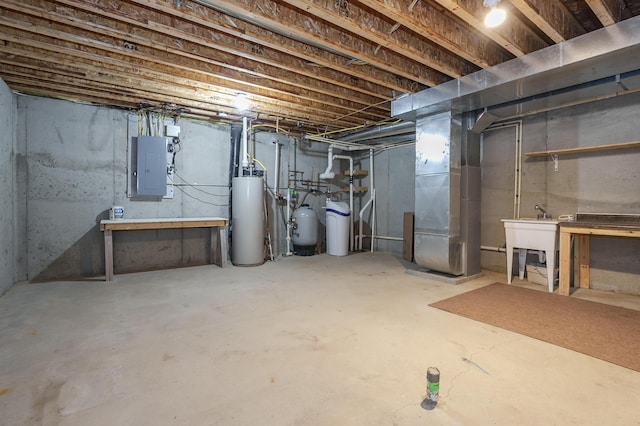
pixel 338 215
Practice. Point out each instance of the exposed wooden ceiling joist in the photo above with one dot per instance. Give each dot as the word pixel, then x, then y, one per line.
pixel 316 31
pixel 430 21
pixel 553 18
pixel 513 35
pixel 305 64
pixel 318 60
pixel 378 31
pixel 609 11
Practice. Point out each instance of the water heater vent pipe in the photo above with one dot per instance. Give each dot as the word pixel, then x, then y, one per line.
pixel 244 150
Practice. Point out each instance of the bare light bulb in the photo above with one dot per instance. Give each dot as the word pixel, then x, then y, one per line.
pixel 241 102
pixel 495 17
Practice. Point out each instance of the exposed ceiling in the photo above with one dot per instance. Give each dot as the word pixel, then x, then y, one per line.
pixel 305 65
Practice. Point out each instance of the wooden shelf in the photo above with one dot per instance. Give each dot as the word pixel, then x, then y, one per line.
pixel 356 189
pixel 356 173
pixel 624 145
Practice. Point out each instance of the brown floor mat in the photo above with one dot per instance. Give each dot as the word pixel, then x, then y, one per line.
pixel 602 331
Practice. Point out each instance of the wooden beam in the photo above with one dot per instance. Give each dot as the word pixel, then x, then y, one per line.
pixel 585 149
pixel 224 96
pixel 272 74
pixel 553 18
pixel 161 93
pixel 361 22
pixel 608 11
pixel 139 54
pixel 121 84
pixel 442 29
pixel 310 30
pixel 319 60
pixel 513 34
pixel 168 223
pixel 286 124
pixel 178 27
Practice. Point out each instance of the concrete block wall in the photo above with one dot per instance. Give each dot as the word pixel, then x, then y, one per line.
pixel 77 167
pixel 64 165
pixel 10 247
pixel 394 177
pixel 600 182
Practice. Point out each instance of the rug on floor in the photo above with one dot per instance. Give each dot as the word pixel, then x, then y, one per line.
pixel 602 331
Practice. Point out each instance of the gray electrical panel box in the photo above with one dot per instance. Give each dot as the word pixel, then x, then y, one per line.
pixel 151 166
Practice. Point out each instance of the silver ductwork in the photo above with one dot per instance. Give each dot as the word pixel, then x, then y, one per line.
pixel 599 64
pixel 447 194
pixel 437 244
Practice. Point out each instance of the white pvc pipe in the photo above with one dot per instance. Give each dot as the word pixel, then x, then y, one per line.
pixel 367 204
pixel 371 182
pixel 288 238
pixel 373 196
pixel 244 146
pixel 382 237
pixel 276 169
pixel 519 136
pixel 370 201
pixel 373 218
pixel 517 179
pixel 492 248
pixel 346 157
pixel 328 174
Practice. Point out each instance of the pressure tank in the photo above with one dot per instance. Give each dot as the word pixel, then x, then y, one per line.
pixel 305 231
pixel 247 221
pixel 338 214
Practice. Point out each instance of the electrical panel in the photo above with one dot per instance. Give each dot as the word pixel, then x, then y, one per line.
pixel 151 166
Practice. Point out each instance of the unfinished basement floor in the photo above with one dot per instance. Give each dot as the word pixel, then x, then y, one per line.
pixel 313 340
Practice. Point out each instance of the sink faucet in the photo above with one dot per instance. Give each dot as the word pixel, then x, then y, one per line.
pixel 542 215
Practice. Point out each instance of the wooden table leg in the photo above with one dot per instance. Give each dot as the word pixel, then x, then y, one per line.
pixel 219 246
pixel 108 255
pixel 223 241
pixel 509 263
pixel 583 261
pixel 213 249
pixel 565 263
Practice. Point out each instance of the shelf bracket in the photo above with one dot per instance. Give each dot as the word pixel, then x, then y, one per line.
pixel 554 157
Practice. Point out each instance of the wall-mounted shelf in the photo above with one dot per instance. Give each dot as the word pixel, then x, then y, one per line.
pixel 356 173
pixel 555 152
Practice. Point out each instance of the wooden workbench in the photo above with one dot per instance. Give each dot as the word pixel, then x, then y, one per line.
pixel 582 230
pixel 218 227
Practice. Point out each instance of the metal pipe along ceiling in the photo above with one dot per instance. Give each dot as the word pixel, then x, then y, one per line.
pixel 381 131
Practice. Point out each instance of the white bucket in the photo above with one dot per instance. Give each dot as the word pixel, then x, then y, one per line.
pixel 116 213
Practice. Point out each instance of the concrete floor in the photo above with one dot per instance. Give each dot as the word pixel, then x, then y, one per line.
pixel 301 341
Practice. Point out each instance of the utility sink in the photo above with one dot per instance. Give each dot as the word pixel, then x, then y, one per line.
pixel 531 234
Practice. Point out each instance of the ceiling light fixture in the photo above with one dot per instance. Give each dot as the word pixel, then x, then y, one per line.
pixel 241 102
pixel 496 15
